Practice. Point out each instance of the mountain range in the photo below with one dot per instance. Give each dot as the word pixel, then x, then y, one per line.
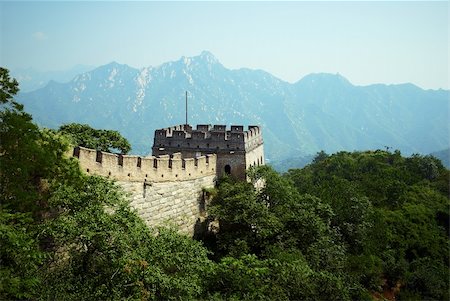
pixel 319 112
pixel 31 79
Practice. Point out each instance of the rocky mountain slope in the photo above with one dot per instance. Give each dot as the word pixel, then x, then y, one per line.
pixel 320 111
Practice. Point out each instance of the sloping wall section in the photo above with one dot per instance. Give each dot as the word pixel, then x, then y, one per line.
pixel 163 190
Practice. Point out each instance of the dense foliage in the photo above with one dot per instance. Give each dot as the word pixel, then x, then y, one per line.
pixel 349 226
pixel 393 216
pixel 67 236
pixel 104 140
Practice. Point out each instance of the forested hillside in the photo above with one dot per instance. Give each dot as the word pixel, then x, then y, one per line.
pixel 349 226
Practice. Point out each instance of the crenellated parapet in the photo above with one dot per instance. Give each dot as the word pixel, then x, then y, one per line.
pixel 207 138
pixel 253 138
pixel 145 169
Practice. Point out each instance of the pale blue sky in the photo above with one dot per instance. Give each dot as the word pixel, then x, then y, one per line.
pixel 367 42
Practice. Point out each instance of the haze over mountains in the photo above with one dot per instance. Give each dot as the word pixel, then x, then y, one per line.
pixel 31 79
pixel 319 112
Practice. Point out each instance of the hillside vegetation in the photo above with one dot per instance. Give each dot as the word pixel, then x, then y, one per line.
pixel 350 226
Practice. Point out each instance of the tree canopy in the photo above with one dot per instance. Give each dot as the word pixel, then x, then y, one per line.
pixel 69 236
pixel 103 140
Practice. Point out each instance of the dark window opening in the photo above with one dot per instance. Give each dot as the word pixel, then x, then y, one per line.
pixel 228 169
pixel 76 152
pixel 139 162
pixel 98 157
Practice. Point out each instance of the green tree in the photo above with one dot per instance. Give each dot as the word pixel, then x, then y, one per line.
pixel 20 256
pixel 67 236
pixel 102 250
pixel 28 159
pixel 246 224
pixel 8 87
pixel 104 140
pixel 392 214
pixel 258 225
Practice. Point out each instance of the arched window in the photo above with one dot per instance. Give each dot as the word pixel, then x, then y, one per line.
pixel 228 169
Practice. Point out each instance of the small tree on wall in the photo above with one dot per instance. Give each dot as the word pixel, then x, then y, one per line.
pixel 103 140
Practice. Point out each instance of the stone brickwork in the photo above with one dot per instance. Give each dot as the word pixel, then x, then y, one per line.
pixel 145 169
pixel 181 203
pixel 164 191
pixel 235 148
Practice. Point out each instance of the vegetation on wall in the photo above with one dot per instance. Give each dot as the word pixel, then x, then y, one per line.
pixel 349 226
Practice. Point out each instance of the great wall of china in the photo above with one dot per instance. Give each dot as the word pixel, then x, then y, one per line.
pixel 169 187
pixel 163 190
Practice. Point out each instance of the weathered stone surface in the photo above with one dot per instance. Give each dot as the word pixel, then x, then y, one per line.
pixel 176 203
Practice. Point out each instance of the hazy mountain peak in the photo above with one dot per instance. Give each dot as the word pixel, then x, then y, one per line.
pixel 114 65
pixel 208 57
pixel 204 58
pixel 324 78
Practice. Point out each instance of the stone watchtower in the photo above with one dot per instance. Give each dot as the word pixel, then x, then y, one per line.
pixel 236 149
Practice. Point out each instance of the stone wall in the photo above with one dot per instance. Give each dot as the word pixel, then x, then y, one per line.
pixel 236 150
pixel 145 169
pixel 255 157
pixel 164 191
pixel 181 203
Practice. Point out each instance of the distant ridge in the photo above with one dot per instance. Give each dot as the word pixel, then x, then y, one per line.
pixel 319 112
pixel 31 79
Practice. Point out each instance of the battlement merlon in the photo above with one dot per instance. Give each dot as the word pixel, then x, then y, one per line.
pixel 236 133
pixel 144 169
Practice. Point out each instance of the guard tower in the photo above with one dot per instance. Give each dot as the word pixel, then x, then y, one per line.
pixel 236 149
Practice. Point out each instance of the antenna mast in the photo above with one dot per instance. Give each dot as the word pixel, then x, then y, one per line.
pixel 186 110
